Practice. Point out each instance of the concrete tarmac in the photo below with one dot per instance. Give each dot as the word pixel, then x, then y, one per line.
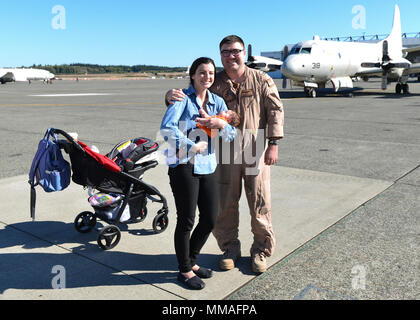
pixel 345 198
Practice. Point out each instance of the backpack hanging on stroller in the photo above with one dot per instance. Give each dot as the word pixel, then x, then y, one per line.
pixel 48 169
pixel 118 178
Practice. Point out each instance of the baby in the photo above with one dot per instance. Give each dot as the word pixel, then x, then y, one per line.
pixel 229 116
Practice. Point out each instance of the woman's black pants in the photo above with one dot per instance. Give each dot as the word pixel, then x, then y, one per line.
pixel 190 190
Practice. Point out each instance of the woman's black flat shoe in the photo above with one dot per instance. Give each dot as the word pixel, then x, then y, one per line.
pixel 204 273
pixel 195 283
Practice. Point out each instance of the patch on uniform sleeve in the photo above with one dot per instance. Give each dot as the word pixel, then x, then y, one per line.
pixel 270 82
pixel 277 108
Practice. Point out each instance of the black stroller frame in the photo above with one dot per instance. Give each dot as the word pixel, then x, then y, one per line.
pixel 128 183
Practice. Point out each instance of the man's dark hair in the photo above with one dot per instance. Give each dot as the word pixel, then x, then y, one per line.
pixel 196 64
pixel 231 39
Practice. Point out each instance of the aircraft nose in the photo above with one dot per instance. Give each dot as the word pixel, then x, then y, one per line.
pixel 296 67
pixel 290 67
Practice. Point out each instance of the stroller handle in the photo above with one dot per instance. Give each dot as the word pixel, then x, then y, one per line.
pixel 68 137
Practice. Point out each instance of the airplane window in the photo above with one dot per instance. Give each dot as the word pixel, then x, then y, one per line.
pixel 295 50
pixel 306 50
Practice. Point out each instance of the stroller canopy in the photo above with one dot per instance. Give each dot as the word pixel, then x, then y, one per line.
pixel 103 160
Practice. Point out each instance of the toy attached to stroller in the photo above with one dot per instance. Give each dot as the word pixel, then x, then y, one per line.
pixel 123 195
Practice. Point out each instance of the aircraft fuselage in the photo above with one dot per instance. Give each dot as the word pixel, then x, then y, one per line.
pixel 320 60
pixel 23 74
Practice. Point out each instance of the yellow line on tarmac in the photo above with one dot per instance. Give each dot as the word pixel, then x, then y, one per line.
pixel 100 104
pixel 290 99
pixel 73 104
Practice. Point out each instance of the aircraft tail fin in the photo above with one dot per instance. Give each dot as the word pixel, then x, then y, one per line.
pixel 395 39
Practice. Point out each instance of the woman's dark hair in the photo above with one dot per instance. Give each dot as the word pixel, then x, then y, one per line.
pixel 197 63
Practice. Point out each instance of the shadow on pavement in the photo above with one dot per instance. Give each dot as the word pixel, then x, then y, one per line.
pixel 85 265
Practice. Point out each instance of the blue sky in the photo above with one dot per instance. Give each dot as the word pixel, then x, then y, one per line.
pixel 174 33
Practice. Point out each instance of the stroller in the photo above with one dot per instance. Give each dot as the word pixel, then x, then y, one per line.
pixel 118 178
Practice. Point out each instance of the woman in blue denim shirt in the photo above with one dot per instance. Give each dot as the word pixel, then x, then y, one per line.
pixel 192 169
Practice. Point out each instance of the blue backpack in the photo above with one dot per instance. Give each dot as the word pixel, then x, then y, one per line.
pixel 49 169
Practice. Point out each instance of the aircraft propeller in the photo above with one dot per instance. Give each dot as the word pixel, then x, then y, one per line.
pixel 386 65
pixel 251 60
pixel 285 54
pixel 250 53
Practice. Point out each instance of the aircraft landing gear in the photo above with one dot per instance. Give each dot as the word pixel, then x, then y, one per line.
pixel 310 92
pixel 402 87
pixel 398 88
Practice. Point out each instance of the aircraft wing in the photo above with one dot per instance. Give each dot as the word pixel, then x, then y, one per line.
pixel 411 50
pixel 266 67
pixel 264 64
pixel 415 68
pixel 412 54
pixel 369 72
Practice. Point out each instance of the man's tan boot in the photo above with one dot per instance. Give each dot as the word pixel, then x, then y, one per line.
pixel 259 261
pixel 228 259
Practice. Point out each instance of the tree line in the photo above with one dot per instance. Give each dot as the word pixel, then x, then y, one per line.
pixel 82 68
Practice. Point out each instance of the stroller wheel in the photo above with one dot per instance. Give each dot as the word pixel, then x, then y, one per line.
pixel 85 222
pixel 109 237
pixel 160 222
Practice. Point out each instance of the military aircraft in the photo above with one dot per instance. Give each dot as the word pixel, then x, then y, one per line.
pixel 24 74
pixel 313 64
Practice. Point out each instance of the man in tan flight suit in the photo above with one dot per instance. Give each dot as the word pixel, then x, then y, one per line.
pixel 254 96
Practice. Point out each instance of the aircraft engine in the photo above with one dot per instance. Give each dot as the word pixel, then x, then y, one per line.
pixel 388 67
